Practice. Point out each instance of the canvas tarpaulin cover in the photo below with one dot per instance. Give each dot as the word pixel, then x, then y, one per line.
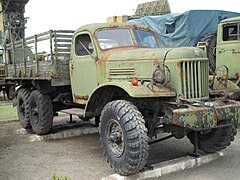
pixel 184 29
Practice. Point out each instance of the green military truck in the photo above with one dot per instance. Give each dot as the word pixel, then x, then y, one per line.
pixel 227 58
pixel 119 75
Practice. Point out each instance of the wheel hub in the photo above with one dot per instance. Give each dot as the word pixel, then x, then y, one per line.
pixel 35 113
pixel 115 138
pixel 22 109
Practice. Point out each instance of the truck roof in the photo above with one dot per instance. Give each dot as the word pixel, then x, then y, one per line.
pixel 93 27
pixel 231 19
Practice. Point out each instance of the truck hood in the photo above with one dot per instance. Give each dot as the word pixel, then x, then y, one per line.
pixel 154 53
pixel 124 64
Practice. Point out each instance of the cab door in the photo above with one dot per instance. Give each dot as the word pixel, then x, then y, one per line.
pixel 83 73
pixel 228 48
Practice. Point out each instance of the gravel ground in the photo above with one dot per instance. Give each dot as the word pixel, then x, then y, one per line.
pixel 81 157
pixel 77 158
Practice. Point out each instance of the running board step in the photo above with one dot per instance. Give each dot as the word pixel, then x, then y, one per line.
pixel 74 111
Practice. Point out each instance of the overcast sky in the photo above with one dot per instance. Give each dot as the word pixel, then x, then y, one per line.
pixel 54 14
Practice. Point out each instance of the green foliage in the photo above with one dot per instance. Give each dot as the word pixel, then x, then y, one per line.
pixel 55 177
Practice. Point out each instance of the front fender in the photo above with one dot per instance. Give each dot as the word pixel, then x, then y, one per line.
pixel 230 88
pixel 141 90
pixel 102 94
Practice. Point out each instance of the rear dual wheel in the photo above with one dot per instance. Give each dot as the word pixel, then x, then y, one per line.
pixel 41 112
pixel 23 107
pixel 35 110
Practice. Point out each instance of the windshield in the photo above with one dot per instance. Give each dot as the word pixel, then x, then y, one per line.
pixel 145 38
pixel 112 38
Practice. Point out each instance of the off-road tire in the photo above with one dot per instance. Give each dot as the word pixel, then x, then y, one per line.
pixel 216 139
pixel 211 38
pixel 41 112
pixel 10 92
pixel 134 136
pixel 23 107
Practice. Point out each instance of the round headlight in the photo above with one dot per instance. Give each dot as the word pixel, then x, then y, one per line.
pixel 159 75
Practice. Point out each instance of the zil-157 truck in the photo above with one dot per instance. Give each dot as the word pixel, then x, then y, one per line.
pixel 119 75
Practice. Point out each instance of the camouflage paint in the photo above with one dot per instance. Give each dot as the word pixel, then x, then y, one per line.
pixel 205 115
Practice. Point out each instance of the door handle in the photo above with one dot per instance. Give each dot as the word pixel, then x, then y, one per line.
pixel 221 50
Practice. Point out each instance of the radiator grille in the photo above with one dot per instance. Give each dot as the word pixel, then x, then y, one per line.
pixel 195 79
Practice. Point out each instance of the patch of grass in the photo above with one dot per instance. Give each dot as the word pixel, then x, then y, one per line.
pixel 55 177
pixel 8 112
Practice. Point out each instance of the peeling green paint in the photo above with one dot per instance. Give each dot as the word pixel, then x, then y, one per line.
pixel 202 116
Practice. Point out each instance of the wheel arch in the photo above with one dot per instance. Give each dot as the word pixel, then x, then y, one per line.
pixel 101 97
pixel 120 90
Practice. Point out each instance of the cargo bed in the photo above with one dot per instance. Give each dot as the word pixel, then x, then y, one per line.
pixel 44 56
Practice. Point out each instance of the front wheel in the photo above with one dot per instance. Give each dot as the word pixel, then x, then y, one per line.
pixel 123 137
pixel 41 112
pixel 215 139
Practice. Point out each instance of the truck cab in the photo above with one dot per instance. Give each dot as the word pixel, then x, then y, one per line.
pixel 101 49
pixel 228 46
pixel 107 58
pixel 227 58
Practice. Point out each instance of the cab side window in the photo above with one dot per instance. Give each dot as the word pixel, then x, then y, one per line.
pixel 231 32
pixel 83 45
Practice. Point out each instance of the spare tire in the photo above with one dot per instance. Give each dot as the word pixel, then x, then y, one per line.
pixel 211 39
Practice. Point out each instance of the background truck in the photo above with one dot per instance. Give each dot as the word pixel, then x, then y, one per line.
pixel 188 28
pixel 228 56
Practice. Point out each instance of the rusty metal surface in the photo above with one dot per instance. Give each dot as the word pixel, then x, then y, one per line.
pixel 204 115
pixel 142 90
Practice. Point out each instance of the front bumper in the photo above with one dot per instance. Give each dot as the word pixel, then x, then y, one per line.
pixel 203 115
